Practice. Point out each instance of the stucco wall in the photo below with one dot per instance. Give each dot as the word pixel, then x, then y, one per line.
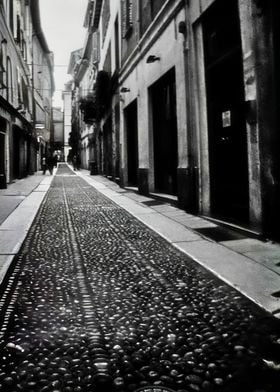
pixel 169 46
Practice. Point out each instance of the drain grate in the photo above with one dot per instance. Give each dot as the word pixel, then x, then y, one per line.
pixel 219 234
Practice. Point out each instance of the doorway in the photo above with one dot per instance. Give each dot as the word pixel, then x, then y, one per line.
pixel 2 161
pixel 108 147
pixel 131 117
pixel 229 184
pixel 16 152
pixel 163 95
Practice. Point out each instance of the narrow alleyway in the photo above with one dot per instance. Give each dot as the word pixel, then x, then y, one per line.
pixel 96 301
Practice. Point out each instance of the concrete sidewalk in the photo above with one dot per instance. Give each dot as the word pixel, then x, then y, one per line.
pixel 250 265
pixel 19 204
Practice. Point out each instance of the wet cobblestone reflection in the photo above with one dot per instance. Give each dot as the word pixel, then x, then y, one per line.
pixel 98 302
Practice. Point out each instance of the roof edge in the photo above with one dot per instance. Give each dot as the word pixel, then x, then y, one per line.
pixel 36 21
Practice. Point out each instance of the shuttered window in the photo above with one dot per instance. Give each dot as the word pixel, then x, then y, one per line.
pixel 126 18
pixel 146 17
pixel 95 47
pixel 3 55
pixel 148 11
pixel 25 97
pixel 105 17
pixel 155 7
pixel 10 90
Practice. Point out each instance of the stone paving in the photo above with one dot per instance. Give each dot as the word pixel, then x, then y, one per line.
pixel 96 301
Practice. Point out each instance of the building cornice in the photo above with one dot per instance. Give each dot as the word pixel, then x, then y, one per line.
pixel 36 22
pixel 38 32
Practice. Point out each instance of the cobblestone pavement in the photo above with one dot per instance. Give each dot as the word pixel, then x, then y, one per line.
pixel 96 301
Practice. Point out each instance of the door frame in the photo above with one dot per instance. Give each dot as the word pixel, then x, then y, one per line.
pixel 164 80
pixel 229 174
pixel 131 173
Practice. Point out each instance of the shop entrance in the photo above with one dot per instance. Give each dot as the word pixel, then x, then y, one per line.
pixel 163 94
pixel 131 118
pixel 226 117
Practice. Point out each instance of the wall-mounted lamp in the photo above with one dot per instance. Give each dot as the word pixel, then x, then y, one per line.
pixel 124 90
pixel 152 59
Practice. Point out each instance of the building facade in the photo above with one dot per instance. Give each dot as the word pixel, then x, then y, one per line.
pixel 58 133
pixel 67 117
pixel 23 50
pixel 193 102
pixel 83 67
pixel 144 127
pixel 42 86
pixel 235 125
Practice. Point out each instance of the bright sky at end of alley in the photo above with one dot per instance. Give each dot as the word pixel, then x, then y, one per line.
pixel 62 23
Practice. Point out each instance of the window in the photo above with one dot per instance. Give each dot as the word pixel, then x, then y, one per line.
pixel 19 88
pixel 10 91
pixel 3 55
pixel 18 31
pixel 25 97
pixel 3 66
pixel 117 46
pixel 155 7
pixel 148 11
pixel 105 17
pixel 108 61
pixel 95 47
pixel 126 18
pixel 11 15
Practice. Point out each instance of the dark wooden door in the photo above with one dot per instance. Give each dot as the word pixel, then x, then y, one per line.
pixel 163 95
pixel 226 115
pixel 131 114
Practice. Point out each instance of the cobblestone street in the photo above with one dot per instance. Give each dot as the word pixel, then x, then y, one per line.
pixel 96 301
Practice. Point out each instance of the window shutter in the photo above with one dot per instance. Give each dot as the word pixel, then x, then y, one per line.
pixel 2 66
pixel 95 56
pixel 126 18
pixel 18 31
pixel 24 93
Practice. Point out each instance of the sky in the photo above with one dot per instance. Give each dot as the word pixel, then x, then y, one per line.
pixel 62 23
